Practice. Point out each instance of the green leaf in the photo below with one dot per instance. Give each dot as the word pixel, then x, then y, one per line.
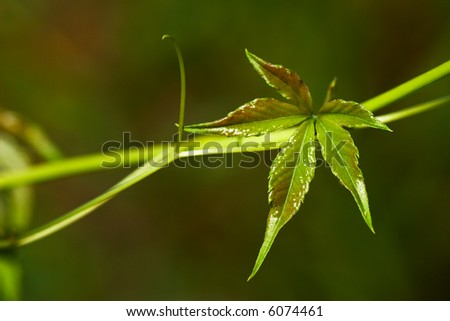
pixel 341 154
pixel 414 110
pixel 257 117
pixel 350 114
pixel 331 91
pixel 30 133
pixel 15 203
pixel 289 178
pixel 10 277
pixel 288 83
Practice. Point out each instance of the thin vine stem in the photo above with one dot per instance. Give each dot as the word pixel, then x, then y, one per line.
pixel 408 87
pixel 414 110
pixel 160 161
pixel 68 167
pixel 89 163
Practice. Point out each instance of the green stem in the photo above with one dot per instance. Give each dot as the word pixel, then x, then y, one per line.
pixel 414 110
pixel 408 87
pixel 50 171
pixel 165 154
pixel 161 160
pixel 89 163
pixel 66 167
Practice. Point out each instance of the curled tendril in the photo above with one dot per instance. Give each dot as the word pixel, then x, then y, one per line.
pixel 183 89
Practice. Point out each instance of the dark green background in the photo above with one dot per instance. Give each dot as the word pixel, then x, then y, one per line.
pixel 89 70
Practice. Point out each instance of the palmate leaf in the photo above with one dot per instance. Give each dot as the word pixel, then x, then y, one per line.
pixel 341 154
pixel 289 178
pixel 289 175
pixel 257 117
pixel 286 82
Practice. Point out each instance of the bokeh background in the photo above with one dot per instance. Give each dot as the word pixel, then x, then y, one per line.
pixel 87 71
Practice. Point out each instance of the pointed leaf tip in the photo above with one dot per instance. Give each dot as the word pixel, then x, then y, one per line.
pixel 286 82
pixel 341 154
pixel 289 179
pixel 269 237
pixel 331 91
pixel 368 220
pixel 350 114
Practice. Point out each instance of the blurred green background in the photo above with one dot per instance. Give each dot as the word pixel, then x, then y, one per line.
pixel 89 70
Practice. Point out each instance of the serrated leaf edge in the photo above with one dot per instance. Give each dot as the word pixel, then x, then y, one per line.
pixel 273 224
pixel 364 211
